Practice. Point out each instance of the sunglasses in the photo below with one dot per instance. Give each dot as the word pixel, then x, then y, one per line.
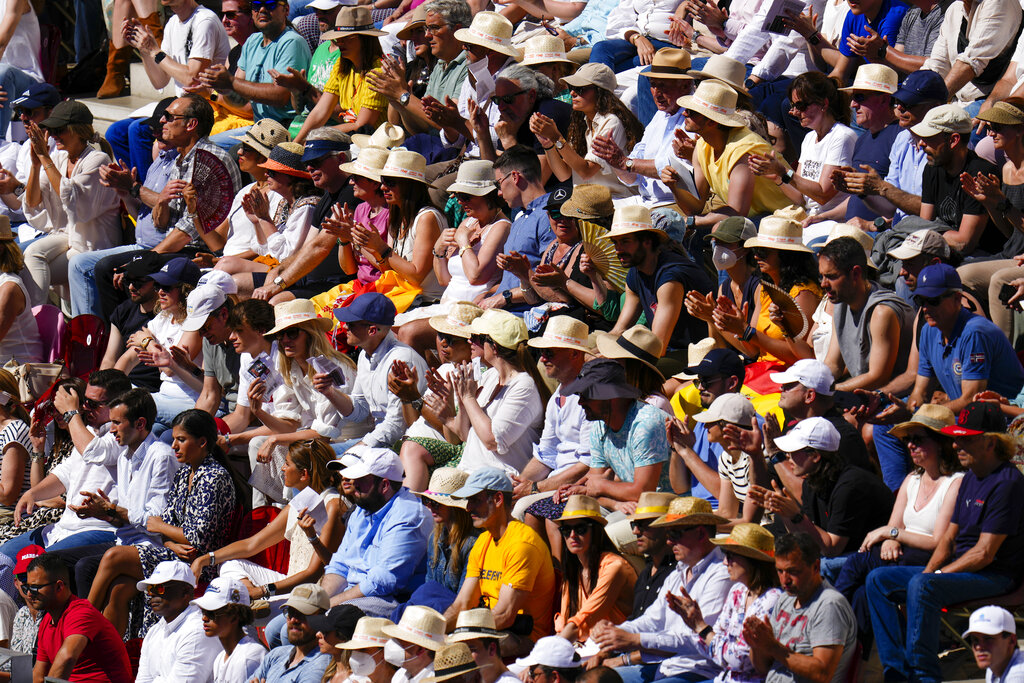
pixel 317 163
pixel 478 339
pixel 448 339
pixel 463 197
pixel 213 615
pixel 916 439
pixel 268 5
pixel 677 533
pixel 167 288
pixel 859 97
pixel 92 404
pixel 706 382
pixel 929 300
pixel 547 353
pixel 508 99
pixel 35 588
pixel 580 530
pixel 801 106
pixel 388 181
pixel 230 14
pixel 168 117
pixel 290 333
pixel 639 524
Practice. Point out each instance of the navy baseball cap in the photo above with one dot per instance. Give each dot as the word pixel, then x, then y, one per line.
pixel 177 271
pixel 937 279
pixel 719 362
pixel 977 417
pixel 318 149
pixel 922 86
pixel 37 95
pixel 601 379
pixel 556 199
pixel 370 307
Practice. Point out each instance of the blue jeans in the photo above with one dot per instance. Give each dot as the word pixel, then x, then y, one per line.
pixel 915 654
pixel 276 631
pixel 84 294
pixel 14 546
pixel 14 81
pixel 132 142
pixel 645 673
pixel 620 55
pixel 226 140
pixel 831 566
pixel 167 408
pixel 89 28
pixel 893 456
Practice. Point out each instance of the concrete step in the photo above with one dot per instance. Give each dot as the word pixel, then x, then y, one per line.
pixel 142 91
pixel 142 87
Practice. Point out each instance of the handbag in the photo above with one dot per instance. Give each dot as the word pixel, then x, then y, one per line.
pixel 34 379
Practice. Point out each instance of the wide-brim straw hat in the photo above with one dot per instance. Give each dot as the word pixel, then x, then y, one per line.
pixel 403 163
pixel 588 201
pixel 416 19
pixel 779 231
pixel 563 332
pixel 1003 113
pixel 876 78
pixel 669 62
pixel 689 511
pixel 593 73
pixel 651 505
pixel 726 70
pixel 291 313
pixel 368 634
pixel 582 507
pixel 545 49
pixel 492 31
pixel 475 623
pixel 637 343
pixel 286 157
pixel 263 136
pixel 368 164
pixel 443 483
pixel 715 100
pixel 930 416
pixel 420 625
pixel 631 219
pixel 353 21
pixel 694 355
pixel 457 323
pixel 749 540
pixel 387 136
pixel 475 177
pixel 454 659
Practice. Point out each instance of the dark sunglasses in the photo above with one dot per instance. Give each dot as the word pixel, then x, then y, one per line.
pixel 213 615
pixel 290 333
pixel 800 106
pixel 92 404
pixel 388 181
pixel 158 589
pixel 36 588
pixel 582 90
pixel 547 353
pixel 168 117
pixel 509 99
pixel 317 163
pixel 916 439
pixel 929 300
pixel 139 282
pixel 167 288
pixel 677 532
pixel 230 14
pixel 268 5
pixel 859 97
pixel 463 197
pixel 580 530
pixel 478 339
pixel 706 382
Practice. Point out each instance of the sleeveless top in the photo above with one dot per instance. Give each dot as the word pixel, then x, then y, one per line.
pixel 22 341
pixel 25 45
pixel 854 332
pixel 16 431
pixel 404 247
pixel 923 521
pixel 459 287
pixel 301 551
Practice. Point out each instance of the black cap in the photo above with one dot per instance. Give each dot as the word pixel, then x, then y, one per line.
pixel 155 121
pixel 67 113
pixel 602 379
pixel 340 620
pixel 556 199
pixel 977 417
pixel 719 362
pixel 143 264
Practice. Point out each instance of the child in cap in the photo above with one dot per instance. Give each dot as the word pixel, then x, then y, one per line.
pixel 226 613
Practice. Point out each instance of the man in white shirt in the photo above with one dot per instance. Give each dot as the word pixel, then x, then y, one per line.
pixel 701 575
pixel 992 633
pixel 176 648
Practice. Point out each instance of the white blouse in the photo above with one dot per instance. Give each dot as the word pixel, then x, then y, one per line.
pixel 517 415
pixel 311 409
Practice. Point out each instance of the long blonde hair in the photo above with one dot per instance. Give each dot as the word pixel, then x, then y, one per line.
pixel 318 346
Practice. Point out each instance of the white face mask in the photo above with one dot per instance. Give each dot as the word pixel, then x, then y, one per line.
pixel 362 664
pixel 394 654
pixel 723 258
pixel 484 79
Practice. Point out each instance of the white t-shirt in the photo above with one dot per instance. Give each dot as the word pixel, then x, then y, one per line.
pixel 241 664
pixel 241 232
pixel 835 149
pixel 169 333
pixel 516 413
pixel 201 36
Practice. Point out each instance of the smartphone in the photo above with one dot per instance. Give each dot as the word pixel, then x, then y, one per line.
pixel 1005 293
pixel 846 400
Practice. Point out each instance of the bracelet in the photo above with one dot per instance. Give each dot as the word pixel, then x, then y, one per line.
pixel 36 456
pixel 533 487
pixel 464 249
pixel 814 38
pixel 343 244
pixel 384 255
pixel 441 255
pixel 551 146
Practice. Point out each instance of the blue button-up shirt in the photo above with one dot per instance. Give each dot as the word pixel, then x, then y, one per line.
pixel 146 234
pixel 310 668
pixel 906 167
pixel 529 235
pixel 385 552
pixel 657 144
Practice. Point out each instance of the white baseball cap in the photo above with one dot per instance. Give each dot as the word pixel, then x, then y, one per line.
pixel 809 372
pixel 552 651
pixel 204 300
pixel 812 432
pixel 734 408
pixel 222 591
pixel 167 571
pixel 380 462
pixel 220 279
pixel 324 5
pixel 991 621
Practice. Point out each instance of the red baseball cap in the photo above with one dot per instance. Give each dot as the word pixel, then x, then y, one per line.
pixel 27 554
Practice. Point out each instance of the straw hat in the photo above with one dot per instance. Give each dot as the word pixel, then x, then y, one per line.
pixel 593 73
pixel 286 157
pixel 6 235
pixel 633 218
pixel 1003 113
pixel 405 164
pixel 689 511
pixel 492 31
pixel 587 201
pixel 387 136
pixel 582 507
pixel 368 633
pixel 779 232
pixel 475 623
pixel 352 21
pixel 416 19
pixel 475 177
pixel 846 230
pixel 263 136
pixel 460 316
pixel 563 332
pixel 544 49
pixel 714 100
pixel 726 70
pixel 930 416
pixel 651 505
pixel 368 164
pixel 443 483
pixel 670 62
pixel 297 311
pixel 749 540
pixel 452 660
pixel 876 78
pixel 419 625
pixel 694 355
pixel 505 329
pixel 638 343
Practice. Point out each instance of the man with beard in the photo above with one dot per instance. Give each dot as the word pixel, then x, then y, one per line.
pixel 132 315
pixel 383 553
pixel 301 660
pixel 658 280
pixel 176 647
pixel 652 543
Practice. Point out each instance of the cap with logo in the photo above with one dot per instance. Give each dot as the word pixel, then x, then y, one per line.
pixel 921 242
pixel 177 271
pixel 977 417
pixel 812 432
pixel 990 621
pixel 380 462
pixel 166 572
pixel 222 591
pixel 937 279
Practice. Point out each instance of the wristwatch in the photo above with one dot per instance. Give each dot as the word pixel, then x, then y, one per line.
pixel 507 295
pixel 68 416
pixel 797 518
pixel 159 57
pixel 417 405
pixel 135 190
pixel 787 177
pixel 881 52
pixel 279 281
pixel 629 164
pixel 559 144
pixel 404 98
pixel 893 533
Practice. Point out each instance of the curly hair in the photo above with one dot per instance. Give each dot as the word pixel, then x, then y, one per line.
pixel 607 103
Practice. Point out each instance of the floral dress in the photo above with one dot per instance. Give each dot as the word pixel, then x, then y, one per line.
pixel 728 648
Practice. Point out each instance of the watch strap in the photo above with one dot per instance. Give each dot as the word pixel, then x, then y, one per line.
pixel 159 57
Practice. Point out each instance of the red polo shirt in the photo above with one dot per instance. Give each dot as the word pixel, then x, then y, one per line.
pixel 103 659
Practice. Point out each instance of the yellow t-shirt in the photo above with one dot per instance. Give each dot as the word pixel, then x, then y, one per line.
pixel 353 91
pixel 765 324
pixel 521 560
pixel 768 197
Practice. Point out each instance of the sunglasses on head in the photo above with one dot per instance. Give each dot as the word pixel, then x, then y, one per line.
pixel 506 99
pixel 568 530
